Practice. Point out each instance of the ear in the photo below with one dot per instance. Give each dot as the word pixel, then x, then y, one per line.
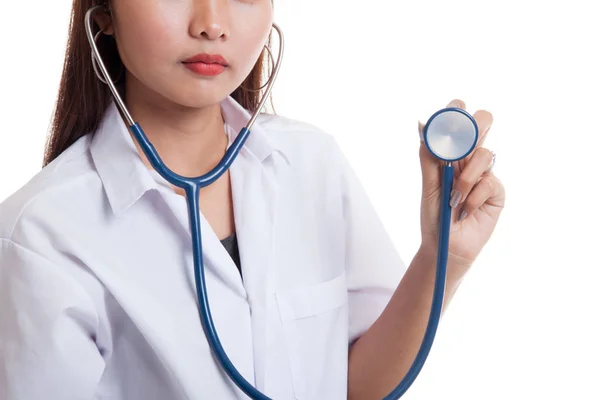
pixel 104 21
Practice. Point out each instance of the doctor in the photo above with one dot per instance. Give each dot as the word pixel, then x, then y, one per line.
pixel 308 294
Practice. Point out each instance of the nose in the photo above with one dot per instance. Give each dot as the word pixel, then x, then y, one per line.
pixel 210 19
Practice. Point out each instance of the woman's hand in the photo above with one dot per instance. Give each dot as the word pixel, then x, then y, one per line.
pixel 478 195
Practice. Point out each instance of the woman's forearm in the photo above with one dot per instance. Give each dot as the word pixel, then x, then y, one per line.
pixel 383 355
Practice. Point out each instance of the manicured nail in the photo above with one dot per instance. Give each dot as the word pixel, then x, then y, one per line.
pixel 455 197
pixel 421 129
pixel 454 103
pixel 463 215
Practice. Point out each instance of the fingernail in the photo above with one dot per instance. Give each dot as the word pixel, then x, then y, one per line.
pixel 454 103
pixel 463 215
pixel 455 197
pixel 421 129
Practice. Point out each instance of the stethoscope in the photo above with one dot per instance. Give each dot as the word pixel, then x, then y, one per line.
pixel 450 135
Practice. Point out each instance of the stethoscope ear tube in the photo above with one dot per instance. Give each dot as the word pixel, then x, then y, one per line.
pixel 438 289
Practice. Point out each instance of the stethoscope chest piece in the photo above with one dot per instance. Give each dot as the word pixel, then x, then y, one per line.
pixel 450 134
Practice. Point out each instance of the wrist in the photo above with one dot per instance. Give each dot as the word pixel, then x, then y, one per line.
pixel 456 268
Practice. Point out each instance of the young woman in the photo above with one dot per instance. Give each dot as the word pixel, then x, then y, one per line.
pixel 309 296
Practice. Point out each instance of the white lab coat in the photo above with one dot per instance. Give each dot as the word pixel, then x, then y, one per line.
pixel 97 295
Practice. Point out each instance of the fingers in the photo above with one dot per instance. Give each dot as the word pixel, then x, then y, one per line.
pixel 457 103
pixel 421 130
pixel 467 177
pixel 470 175
pixel 484 121
pixel 483 191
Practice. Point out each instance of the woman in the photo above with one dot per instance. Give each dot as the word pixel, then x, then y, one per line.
pixel 308 294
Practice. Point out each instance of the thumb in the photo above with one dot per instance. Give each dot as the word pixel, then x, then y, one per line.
pixel 430 166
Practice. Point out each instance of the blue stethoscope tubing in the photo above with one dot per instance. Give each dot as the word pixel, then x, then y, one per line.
pixel 192 188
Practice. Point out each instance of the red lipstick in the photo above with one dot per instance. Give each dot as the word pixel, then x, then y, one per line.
pixel 206 64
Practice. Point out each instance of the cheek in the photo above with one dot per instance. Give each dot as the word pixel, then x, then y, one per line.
pixel 147 43
pixel 249 35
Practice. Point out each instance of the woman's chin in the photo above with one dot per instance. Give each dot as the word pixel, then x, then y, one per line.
pixel 200 99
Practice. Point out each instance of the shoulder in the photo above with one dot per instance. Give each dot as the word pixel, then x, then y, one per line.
pixel 49 189
pixel 278 124
pixel 299 140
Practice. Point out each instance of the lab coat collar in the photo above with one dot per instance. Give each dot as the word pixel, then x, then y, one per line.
pixel 122 171
pixel 123 174
pixel 258 142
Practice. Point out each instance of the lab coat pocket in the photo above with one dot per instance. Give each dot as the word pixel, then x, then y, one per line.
pixel 315 325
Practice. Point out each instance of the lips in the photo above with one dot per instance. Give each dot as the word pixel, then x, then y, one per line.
pixel 206 64
pixel 207 59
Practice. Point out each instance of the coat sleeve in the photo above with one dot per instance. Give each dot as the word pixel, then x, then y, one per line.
pixel 373 266
pixel 47 330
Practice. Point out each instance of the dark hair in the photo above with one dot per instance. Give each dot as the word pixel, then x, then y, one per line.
pixel 83 99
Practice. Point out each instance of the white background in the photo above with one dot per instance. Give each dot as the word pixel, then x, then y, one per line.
pixel 524 324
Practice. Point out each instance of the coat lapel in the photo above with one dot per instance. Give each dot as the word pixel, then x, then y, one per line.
pixel 255 195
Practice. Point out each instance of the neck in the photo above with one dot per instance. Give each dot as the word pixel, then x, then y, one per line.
pixel 190 141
